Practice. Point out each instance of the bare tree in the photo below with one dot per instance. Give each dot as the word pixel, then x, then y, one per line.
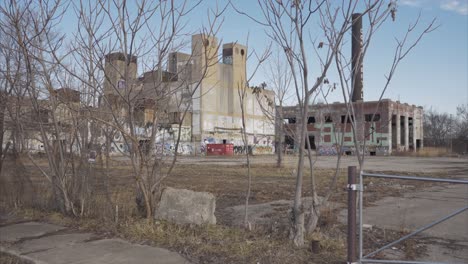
pixel 32 26
pixel 437 127
pixel 139 110
pixel 293 25
pixel 112 100
pixel 245 92
pixel 279 80
pixel 462 122
pixel 378 13
pixel 287 23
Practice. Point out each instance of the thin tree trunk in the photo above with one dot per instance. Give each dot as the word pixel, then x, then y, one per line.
pixel 314 212
pixel 279 147
pixel 298 210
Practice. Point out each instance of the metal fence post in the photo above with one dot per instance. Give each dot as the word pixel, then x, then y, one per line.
pixel 352 188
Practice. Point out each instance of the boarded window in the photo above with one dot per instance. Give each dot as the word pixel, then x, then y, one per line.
pixel 327 138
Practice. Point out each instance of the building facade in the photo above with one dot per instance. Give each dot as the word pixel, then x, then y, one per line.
pixel 206 84
pixel 395 127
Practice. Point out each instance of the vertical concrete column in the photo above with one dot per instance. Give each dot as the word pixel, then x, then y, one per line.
pixel 406 133
pixel 415 136
pixel 398 131
pixel 421 129
pixel 390 135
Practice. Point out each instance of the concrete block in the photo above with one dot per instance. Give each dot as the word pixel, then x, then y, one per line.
pixel 186 207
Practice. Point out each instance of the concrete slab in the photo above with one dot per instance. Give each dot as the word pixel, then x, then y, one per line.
pixel 457 254
pixel 16 232
pixel 107 251
pixel 36 242
pixel 50 242
pixel 446 242
pixel 421 208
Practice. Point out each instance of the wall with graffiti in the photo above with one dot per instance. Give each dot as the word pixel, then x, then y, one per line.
pixel 257 145
pixel 328 139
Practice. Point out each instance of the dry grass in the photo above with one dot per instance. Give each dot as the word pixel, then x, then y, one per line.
pixel 426 152
pixel 376 237
pixel 203 244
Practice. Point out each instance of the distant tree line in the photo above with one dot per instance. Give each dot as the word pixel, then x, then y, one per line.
pixel 441 129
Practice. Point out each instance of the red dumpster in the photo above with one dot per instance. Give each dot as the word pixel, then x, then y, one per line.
pixel 219 149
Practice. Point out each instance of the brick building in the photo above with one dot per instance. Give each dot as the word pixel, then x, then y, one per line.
pixel 396 127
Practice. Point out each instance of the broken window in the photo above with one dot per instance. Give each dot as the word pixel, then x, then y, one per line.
pixel 121 84
pixel 289 141
pixel 291 120
pixel 328 119
pixel 311 120
pixel 348 119
pixel 227 56
pixel 368 117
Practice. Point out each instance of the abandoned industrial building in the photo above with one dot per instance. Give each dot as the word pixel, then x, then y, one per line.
pixel 208 86
pixel 200 91
pixel 197 98
pixel 395 127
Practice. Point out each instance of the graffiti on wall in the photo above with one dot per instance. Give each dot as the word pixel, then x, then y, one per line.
pixel 257 146
pixel 168 149
pixel 332 150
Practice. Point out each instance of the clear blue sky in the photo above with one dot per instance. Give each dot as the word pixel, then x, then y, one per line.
pixel 434 74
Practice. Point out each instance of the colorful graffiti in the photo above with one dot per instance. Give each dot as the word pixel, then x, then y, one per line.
pixel 327 150
pixel 258 150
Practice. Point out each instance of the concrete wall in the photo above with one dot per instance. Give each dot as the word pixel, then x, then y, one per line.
pixel 215 112
pixel 115 67
pixel 218 111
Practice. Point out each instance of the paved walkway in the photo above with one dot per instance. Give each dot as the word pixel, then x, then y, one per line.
pixel 44 243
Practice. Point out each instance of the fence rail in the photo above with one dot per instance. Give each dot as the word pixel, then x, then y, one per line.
pixel 357 188
pixel 415 178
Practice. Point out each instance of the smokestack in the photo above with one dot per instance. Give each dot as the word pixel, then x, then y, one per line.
pixel 356 53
